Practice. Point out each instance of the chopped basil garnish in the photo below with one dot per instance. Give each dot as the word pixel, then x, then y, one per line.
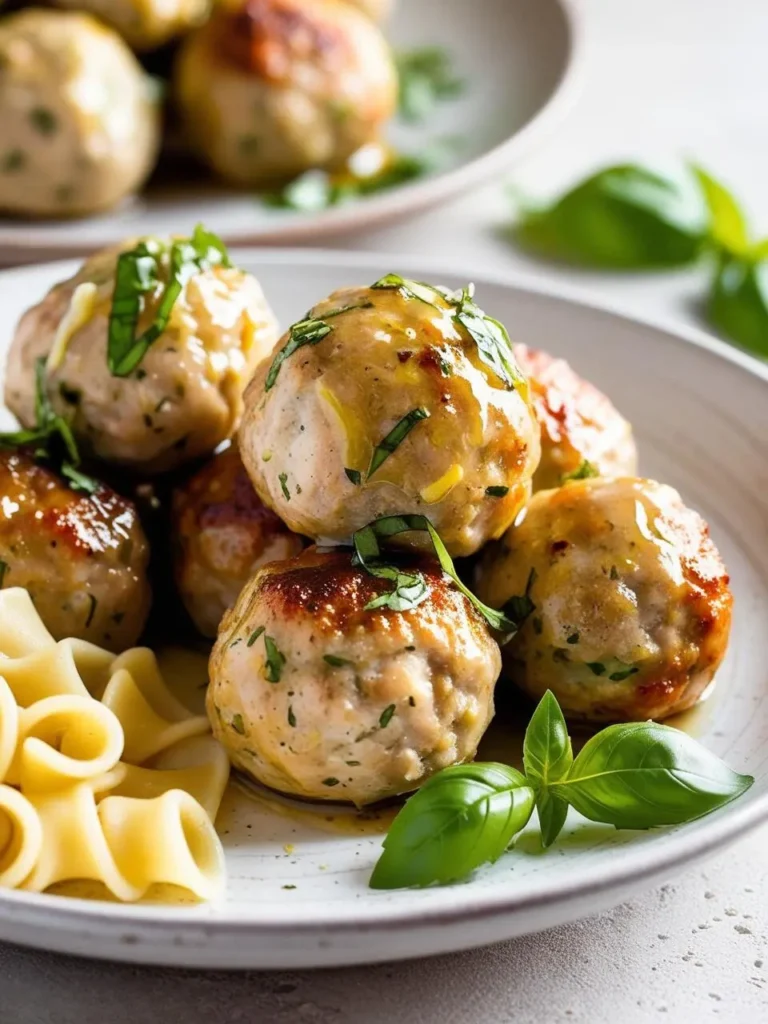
pixel 354 476
pixel 623 673
pixel 137 274
pixel 597 668
pixel 584 472
pixel 283 478
pixel 91 610
pixel 44 120
pixel 238 725
pixel 395 437
pixel 291 717
pixel 410 289
pixel 275 660
pixel 520 607
pixel 51 438
pixel 330 782
pixel 368 552
pixel 254 636
pixel 493 343
pixel 386 716
pixel 497 492
pixel 335 661
pixel 305 332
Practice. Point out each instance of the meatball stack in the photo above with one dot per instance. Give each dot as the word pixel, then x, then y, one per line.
pixel 259 90
pixel 393 427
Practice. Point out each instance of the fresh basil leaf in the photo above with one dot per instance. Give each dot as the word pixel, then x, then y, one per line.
pixel 426 77
pixel 136 275
pixel 305 332
pixel 79 481
pixel 728 225
pixel 738 303
pixel 368 552
pixel 624 217
pixel 584 472
pixel 547 758
pixel 461 818
pixel 395 438
pixel 354 476
pixel 426 293
pixel 642 775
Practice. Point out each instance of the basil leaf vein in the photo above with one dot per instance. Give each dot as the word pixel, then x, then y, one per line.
pixel 547 758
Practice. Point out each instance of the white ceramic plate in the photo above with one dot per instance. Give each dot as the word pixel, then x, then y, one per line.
pixel 519 59
pixel 297 894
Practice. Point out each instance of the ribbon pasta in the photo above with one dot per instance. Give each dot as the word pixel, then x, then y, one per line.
pixel 104 775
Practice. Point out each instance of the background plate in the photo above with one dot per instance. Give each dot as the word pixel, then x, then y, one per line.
pixel 518 58
pixel 700 411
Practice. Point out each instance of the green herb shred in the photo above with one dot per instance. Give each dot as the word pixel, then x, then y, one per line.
pixel 330 782
pixel 238 725
pixel 291 717
pixel 354 476
pixel 520 607
pixel 395 437
pixel 283 478
pixel 254 636
pixel 305 332
pixel 497 492
pixel 386 716
pixel 4 568
pixel 584 472
pixel 275 660
pixel 91 610
pixel 335 661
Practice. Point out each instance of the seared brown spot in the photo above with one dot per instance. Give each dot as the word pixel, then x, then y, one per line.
pixel 38 507
pixel 335 593
pixel 558 546
pixel 266 37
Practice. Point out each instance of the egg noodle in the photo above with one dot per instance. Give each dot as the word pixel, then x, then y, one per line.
pixel 104 775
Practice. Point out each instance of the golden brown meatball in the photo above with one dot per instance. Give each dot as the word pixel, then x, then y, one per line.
pixel 82 557
pixel 275 87
pixel 185 396
pixel 314 694
pixel 383 402
pixel 578 423
pixel 79 121
pixel 223 534
pixel 630 606
pixel 145 24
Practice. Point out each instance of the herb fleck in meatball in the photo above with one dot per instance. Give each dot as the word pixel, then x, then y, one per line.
pixel 628 603
pixel 82 557
pixel 182 399
pixel 223 533
pixel 384 401
pixel 275 87
pixel 316 695
pixel 145 24
pixel 579 425
pixel 79 123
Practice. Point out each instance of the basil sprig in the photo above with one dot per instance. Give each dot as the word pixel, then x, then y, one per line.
pixel 738 302
pixel 461 818
pixel 624 217
pixel 426 78
pixel 139 273
pixel 640 775
pixel 51 438
pixel 407 590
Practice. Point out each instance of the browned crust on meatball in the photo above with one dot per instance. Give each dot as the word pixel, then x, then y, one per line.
pixel 265 37
pixel 38 505
pixel 327 586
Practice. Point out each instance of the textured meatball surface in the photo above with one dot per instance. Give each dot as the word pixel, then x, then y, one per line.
pixel 79 123
pixel 185 397
pixel 312 436
pixel 145 24
pixel 578 423
pixel 367 703
pixel 632 604
pixel 82 557
pixel 275 87
pixel 222 533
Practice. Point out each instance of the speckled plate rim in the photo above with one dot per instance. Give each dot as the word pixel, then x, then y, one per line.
pixel 502 914
pixel 378 209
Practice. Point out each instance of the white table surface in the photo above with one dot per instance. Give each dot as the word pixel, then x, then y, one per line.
pixel 664 79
